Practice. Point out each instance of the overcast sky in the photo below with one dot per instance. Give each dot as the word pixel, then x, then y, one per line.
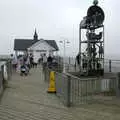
pixel 54 19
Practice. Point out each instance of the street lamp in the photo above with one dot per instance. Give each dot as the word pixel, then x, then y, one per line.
pixel 64 43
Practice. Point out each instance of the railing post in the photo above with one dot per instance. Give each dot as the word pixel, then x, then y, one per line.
pixel 118 85
pixel 69 64
pixel 45 74
pixel 11 68
pixel 109 65
pixel 69 60
pixel 68 91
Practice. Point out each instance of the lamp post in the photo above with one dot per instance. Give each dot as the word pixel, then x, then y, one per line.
pixel 64 44
pixel 80 47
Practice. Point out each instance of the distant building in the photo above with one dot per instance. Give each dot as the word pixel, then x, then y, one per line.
pixel 35 46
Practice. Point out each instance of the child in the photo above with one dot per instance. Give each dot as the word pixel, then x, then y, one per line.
pixel 24 69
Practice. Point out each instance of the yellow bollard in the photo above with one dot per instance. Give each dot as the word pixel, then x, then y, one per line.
pixel 51 88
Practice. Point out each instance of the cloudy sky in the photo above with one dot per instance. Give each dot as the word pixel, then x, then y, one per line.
pixel 55 19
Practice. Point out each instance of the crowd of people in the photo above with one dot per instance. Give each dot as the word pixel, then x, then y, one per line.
pixel 23 63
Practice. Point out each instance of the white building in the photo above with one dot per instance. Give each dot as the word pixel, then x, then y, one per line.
pixel 35 46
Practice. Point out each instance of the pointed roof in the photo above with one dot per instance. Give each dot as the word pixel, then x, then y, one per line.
pixel 35 35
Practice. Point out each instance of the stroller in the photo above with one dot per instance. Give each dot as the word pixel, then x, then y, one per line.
pixel 24 70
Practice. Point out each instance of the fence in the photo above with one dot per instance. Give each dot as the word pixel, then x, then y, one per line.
pixel 8 64
pixel 1 80
pixel 110 65
pixel 75 91
pixel 9 69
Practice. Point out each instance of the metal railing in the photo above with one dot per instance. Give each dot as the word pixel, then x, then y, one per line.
pixel 8 64
pixel 9 68
pixel 110 65
pixel 75 91
pixel 1 82
pixel 63 87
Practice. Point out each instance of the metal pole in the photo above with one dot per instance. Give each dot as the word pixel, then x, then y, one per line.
pixel 118 85
pixel 79 48
pixel 109 65
pixel 68 101
pixel 103 49
pixel 64 59
pixel 69 65
pixel 88 54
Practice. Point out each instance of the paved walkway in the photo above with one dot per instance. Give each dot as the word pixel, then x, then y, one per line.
pixel 26 99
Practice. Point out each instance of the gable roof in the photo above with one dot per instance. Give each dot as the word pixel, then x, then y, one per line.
pixel 53 44
pixel 23 44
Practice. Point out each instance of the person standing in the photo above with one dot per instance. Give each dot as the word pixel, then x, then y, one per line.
pixel 35 62
pixel 27 62
pixel 44 62
pixel 31 60
pixel 14 61
pixel 49 61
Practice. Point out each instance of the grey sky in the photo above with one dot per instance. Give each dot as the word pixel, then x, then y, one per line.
pixel 54 19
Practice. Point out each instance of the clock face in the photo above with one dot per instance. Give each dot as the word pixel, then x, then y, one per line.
pixel 96 11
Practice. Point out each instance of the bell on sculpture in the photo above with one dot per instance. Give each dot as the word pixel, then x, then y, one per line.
pixel 95 2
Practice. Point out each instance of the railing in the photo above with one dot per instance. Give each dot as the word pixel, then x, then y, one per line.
pixel 8 65
pixel 1 80
pixel 63 87
pixel 75 91
pixel 9 69
pixel 110 65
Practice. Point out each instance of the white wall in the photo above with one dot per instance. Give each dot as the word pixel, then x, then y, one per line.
pixel 42 47
pixel 36 56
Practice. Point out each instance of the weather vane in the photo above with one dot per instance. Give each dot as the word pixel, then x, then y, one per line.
pixel 95 2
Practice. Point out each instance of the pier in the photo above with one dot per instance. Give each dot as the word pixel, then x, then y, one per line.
pixel 26 98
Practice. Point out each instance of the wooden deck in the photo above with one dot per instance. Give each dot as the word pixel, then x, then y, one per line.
pixel 26 99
